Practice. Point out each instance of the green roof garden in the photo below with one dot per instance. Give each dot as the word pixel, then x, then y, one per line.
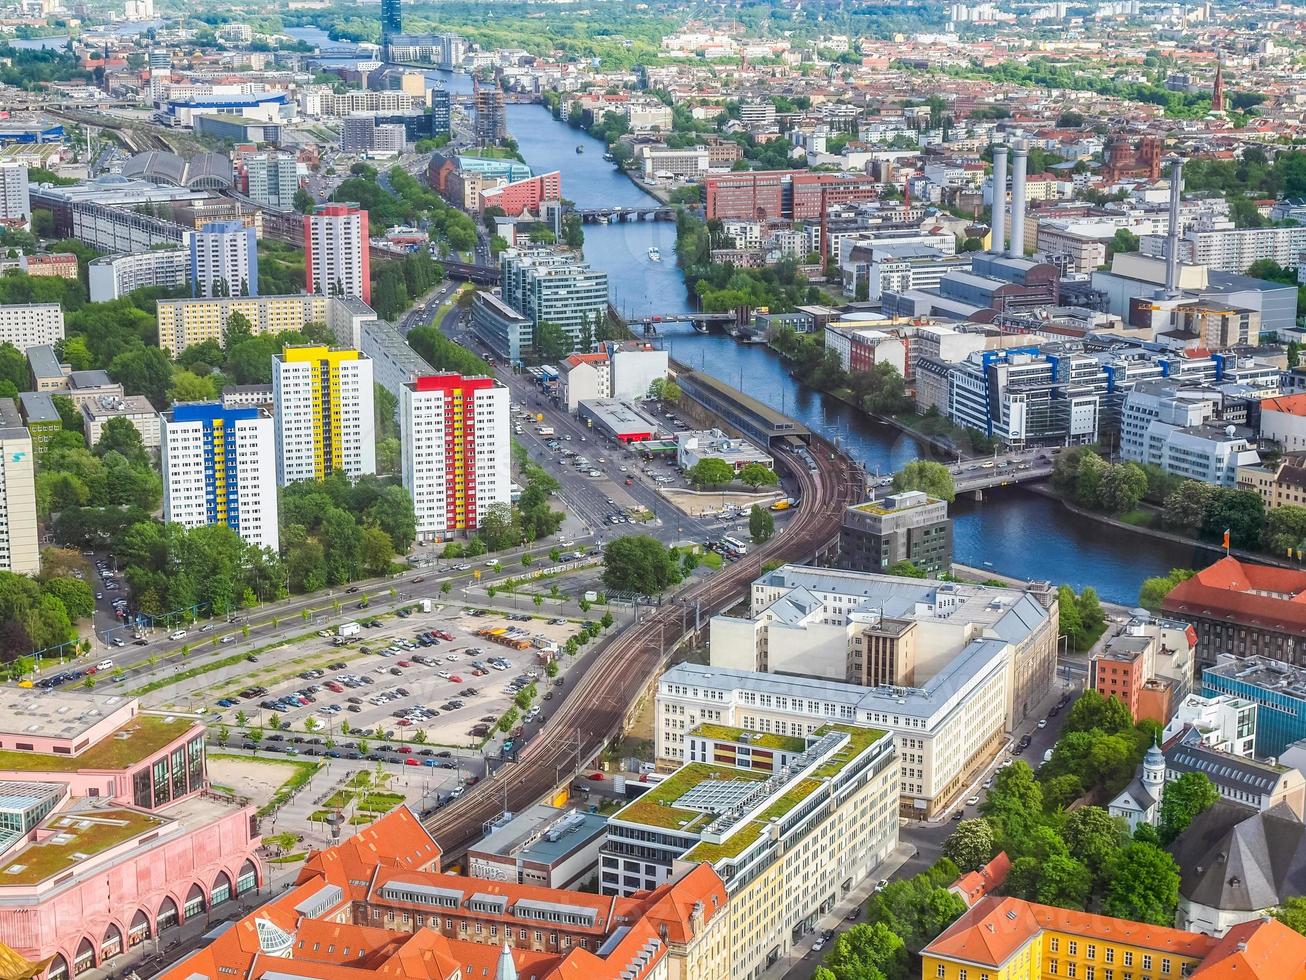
pixel 764 740
pixel 859 740
pixel 736 843
pixel 656 808
pixel 72 838
pixel 138 739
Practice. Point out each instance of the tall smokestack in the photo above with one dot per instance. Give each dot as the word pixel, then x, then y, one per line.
pixel 1172 238
pixel 1019 161
pixel 999 220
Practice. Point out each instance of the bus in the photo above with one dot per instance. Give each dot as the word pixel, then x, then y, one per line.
pixel 734 547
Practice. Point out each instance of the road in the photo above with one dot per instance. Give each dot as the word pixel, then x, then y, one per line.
pixel 594 709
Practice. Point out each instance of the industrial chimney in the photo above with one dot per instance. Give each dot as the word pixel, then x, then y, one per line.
pixel 999 221
pixel 1172 238
pixel 1019 161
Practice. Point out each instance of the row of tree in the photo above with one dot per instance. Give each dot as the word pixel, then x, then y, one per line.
pixel 880 390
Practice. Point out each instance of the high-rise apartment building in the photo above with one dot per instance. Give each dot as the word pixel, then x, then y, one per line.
pixel 19 550
pixel 456 450
pixel 336 260
pixel 224 260
pixel 219 468
pixel 272 179
pixel 15 202
pixel 323 400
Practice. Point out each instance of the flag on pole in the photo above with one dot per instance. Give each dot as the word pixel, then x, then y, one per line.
pixel 1226 540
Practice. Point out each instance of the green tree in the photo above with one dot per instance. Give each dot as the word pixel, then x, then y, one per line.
pixel 1121 488
pixel 1292 913
pixel 639 563
pixel 303 201
pixel 971 845
pixel 867 951
pixel 551 341
pixel 1154 590
pixel 758 475
pixel 1186 505
pixel 1093 711
pixel 906 569
pixel 927 476
pixel 1064 882
pixel 1095 838
pixel 1014 805
pixel 761 525
pixel 1071 624
pixel 710 473
pixel 1123 240
pixel 1184 799
pixel 1145 887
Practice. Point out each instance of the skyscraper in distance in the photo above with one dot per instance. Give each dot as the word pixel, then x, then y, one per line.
pixel 392 25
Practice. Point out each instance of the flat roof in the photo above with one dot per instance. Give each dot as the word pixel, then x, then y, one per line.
pixel 113 405
pixel 619 416
pixel 70 837
pixel 138 739
pixel 38 406
pixel 544 834
pixel 43 362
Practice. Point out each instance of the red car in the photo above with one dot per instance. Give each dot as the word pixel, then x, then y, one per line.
pixel 405 663
pixel 410 761
pixel 456 679
pixel 404 749
pixel 596 776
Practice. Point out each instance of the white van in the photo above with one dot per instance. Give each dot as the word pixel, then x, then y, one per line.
pixel 177 635
pixel 104 665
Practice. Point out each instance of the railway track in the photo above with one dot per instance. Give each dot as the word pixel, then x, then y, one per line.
pixel 593 711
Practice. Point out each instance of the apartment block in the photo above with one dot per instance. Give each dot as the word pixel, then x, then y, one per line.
pixel 456 451
pixel 224 260
pixel 97 411
pixel 19 548
pixel 184 322
pixel 219 467
pixel 114 276
pixel 556 286
pixel 323 401
pixel 15 201
pixel 337 260
pixel 31 324
pixel 272 180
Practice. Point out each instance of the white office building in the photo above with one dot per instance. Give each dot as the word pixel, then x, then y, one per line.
pixel 219 467
pixel 1225 722
pixel 31 324
pixel 1172 427
pixel 273 179
pixel 15 201
pixel 224 260
pixel 457 452
pixel 323 401
pixel 19 548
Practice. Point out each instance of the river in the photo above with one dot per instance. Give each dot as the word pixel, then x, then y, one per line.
pixel 1014 532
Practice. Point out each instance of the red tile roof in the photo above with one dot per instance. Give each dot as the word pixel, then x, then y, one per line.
pixel 1261 950
pixel 974 885
pixel 1288 404
pixel 1235 591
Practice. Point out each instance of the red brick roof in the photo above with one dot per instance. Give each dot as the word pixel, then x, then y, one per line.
pixel 1288 404
pixel 975 885
pixel 1235 591
pixel 1261 950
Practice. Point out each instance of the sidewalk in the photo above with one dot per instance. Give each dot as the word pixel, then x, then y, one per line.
pixel 795 964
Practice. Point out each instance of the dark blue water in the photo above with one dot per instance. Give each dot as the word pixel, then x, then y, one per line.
pixel 1014 532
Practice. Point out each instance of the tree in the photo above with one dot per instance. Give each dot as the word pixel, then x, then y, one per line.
pixel 1183 800
pixel 1285 530
pixel 758 475
pixel 1014 805
pixel 1121 488
pixel 275 723
pixel 1071 625
pixel 971 845
pixel 303 201
pixel 121 436
pixel 906 569
pixel 1154 590
pixel 867 951
pixel 640 564
pixel 927 476
pixel 1187 504
pixel 918 908
pixel 1292 913
pixel 1093 711
pixel 1123 240
pixel 710 473
pixel 144 371
pixel 1094 838
pixel 1145 887
pixel 551 341
pixel 1064 882
pixel 761 525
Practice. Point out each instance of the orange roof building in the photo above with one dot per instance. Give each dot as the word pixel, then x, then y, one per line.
pixel 975 885
pixel 1255 610
pixel 1004 938
pixel 377 905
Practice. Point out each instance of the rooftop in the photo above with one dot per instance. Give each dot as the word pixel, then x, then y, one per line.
pixel 656 808
pixel 138 739
pixel 70 837
pixel 1261 596
pixel 38 406
pixel 765 740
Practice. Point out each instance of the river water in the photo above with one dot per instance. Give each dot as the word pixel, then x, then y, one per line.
pixel 1013 531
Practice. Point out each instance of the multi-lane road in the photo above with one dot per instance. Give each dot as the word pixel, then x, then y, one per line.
pixel 593 711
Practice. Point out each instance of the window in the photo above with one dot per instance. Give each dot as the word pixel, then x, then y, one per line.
pixel 1147 961
pixel 1110 954
pixel 940 970
pixel 1055 945
pixel 1165 965
pixel 1090 951
pixel 1053 966
pixel 1074 948
pixel 1129 959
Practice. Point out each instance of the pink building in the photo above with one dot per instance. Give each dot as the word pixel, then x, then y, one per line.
pixel 108 836
pixel 524 195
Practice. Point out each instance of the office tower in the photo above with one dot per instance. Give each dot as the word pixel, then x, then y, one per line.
pixel 273 179
pixel 223 260
pixel 336 252
pixel 19 551
pixel 160 73
pixel 15 203
pixel 218 468
pixel 551 285
pixel 392 21
pixel 456 451
pixel 323 401
pixel 490 122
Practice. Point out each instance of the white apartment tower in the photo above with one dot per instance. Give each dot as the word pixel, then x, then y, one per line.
pixel 324 422
pixel 219 468
pixel 456 451
pixel 15 202
pixel 224 260
pixel 19 548
pixel 336 259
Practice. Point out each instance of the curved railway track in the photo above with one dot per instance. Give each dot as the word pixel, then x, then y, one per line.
pixel 593 710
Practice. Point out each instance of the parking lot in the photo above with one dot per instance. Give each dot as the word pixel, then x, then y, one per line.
pixel 421 685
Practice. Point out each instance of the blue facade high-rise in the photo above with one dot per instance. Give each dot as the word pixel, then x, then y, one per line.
pixel 392 21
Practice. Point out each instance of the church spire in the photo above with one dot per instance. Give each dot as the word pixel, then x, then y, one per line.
pixel 1217 91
